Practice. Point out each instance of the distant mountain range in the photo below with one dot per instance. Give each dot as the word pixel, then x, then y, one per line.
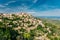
pixel 50 17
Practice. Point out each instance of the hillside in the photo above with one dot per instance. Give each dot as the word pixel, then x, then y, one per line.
pixel 23 26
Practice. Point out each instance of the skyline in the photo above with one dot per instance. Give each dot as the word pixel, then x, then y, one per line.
pixel 34 7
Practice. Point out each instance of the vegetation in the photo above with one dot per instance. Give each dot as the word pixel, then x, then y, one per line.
pixel 26 27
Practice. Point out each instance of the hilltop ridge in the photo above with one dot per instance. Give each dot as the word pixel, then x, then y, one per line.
pixel 23 26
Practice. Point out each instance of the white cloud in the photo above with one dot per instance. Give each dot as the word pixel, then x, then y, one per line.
pixel 9 2
pixel 52 12
pixel 2 5
pixel 31 12
pixel 35 1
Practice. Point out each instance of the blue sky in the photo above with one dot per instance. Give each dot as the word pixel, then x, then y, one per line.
pixel 34 7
